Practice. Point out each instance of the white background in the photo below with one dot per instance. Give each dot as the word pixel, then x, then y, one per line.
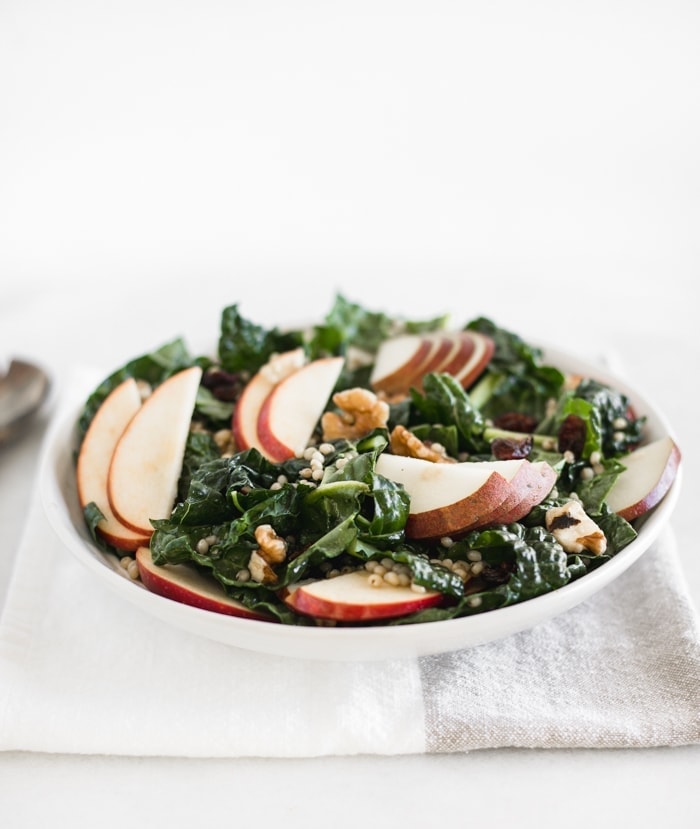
pixel 535 162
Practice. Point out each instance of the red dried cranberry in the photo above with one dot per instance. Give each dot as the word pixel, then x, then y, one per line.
pixel 572 435
pixel 515 422
pixel 508 449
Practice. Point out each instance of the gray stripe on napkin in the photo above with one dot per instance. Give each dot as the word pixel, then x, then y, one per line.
pixel 620 670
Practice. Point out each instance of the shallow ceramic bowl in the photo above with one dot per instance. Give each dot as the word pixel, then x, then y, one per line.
pixel 59 495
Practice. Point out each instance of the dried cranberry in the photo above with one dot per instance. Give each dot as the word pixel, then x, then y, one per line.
pixel 572 435
pixel 515 422
pixel 508 449
pixel 224 385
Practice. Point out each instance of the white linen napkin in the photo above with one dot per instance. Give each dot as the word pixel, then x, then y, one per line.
pixel 83 672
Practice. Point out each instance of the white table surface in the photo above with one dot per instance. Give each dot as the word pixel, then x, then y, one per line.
pixel 536 163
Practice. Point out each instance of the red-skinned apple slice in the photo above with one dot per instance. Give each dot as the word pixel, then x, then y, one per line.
pixel 351 598
pixel 648 475
pixel 244 423
pixel 183 583
pixel 95 455
pixel 402 362
pixel 448 499
pixel 484 348
pixel 530 487
pixel 460 355
pixel 147 460
pixel 291 411
pixel 443 347
pixel 398 361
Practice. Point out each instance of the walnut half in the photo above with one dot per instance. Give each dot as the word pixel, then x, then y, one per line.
pixel 404 442
pixel 271 550
pixel 360 412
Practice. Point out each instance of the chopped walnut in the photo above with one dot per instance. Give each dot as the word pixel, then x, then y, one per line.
pixel 260 570
pixel 361 411
pixel 273 548
pixel 574 529
pixel 404 442
pixel 224 440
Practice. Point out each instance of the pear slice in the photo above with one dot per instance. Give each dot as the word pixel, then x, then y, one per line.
pixel 649 472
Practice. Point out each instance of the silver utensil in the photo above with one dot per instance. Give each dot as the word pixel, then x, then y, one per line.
pixel 23 388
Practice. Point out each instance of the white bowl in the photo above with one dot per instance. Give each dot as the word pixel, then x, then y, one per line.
pixel 59 496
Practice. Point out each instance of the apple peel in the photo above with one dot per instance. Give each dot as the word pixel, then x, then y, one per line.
pixel 147 460
pixel 649 472
pixel 183 583
pixel 351 598
pixel 94 457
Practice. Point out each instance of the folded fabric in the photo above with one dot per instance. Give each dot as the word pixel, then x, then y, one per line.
pixel 83 672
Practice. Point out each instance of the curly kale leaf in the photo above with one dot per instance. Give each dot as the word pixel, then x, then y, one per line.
pixel 444 401
pixel 245 346
pixel 613 408
pixel 515 380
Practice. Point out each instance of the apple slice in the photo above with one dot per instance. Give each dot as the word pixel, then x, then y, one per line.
pixel 147 460
pixel 351 598
pixel 397 362
pixel 530 487
pixel 244 423
pixel 443 346
pixel 649 472
pixel 460 355
pixel 95 455
pixel 448 499
pixel 183 583
pixel 292 409
pixel 480 357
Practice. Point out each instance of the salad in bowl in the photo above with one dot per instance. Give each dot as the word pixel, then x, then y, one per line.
pixel 364 471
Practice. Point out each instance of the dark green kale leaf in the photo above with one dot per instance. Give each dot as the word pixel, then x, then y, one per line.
pixel 200 448
pixel 515 380
pixel 585 411
pixel 613 407
pixel 245 346
pixel 444 401
pixel 210 492
pixel 350 324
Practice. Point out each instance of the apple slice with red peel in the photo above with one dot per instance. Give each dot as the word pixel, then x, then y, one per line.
pixel 448 499
pixel 95 455
pixel 460 355
pixel 397 362
pixel 147 460
pixel 351 598
pixel 402 362
pixel 244 423
pixel 443 347
pixel 649 472
pixel 292 409
pixel 530 487
pixel 183 583
pixel 480 357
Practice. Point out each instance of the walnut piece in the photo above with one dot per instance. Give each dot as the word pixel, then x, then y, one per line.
pixel 271 550
pixel 260 570
pixel 404 442
pixel 360 412
pixel 574 529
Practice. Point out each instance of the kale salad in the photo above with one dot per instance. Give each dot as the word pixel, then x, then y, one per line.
pixel 259 526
